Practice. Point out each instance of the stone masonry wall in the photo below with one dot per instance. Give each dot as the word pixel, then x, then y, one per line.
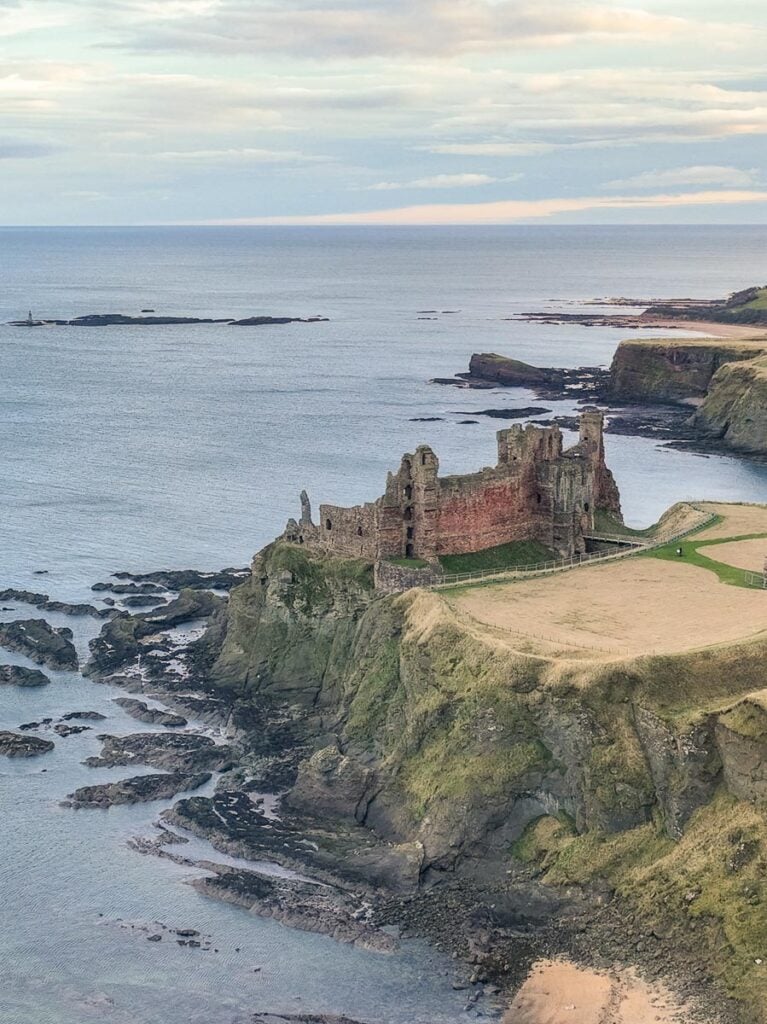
pixel 537 491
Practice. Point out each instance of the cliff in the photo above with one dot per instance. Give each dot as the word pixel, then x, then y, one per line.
pixel 646 774
pixel 678 370
pixel 735 408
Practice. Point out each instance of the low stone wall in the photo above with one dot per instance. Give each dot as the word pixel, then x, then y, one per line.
pixel 394 579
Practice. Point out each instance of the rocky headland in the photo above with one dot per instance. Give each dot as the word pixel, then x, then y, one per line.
pixel 706 394
pixel 506 804
pixel 744 310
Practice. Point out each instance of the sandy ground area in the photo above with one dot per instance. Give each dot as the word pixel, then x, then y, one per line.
pixel 625 607
pixel 558 992
pixel 711 330
pixel 738 520
pixel 743 554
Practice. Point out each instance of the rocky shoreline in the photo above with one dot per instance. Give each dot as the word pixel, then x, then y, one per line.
pixel 342 879
pixel 287 796
pixel 672 392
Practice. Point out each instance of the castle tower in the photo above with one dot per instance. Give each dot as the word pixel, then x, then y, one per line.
pixel 592 431
pixel 527 444
pixel 306 510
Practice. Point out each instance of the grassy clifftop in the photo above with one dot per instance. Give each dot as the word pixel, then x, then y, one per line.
pixel 675 370
pixel 647 773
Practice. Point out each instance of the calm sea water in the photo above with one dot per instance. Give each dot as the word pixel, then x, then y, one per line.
pixel 141 448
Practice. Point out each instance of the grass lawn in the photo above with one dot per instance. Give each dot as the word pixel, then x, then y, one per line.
pixel 504 556
pixel 692 553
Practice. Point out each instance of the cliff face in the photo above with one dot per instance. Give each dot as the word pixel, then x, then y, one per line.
pixel 647 773
pixel 673 371
pixel 735 408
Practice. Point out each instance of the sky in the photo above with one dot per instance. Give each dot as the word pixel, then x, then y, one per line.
pixel 382 111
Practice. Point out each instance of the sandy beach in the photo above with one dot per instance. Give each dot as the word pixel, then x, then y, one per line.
pixel 707 327
pixel 559 992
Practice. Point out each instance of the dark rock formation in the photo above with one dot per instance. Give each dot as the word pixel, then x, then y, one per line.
pixel 152 716
pixel 299 1018
pixel 120 640
pixel 144 601
pixel 121 320
pixel 40 642
pixel 488 369
pixel 180 579
pixel 302 905
pixel 64 730
pixel 131 588
pixel 176 752
pixel 43 602
pixel 17 675
pixel 506 414
pixel 14 744
pixel 140 789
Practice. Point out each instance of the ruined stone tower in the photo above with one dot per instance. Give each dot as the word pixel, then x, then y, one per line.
pixel 538 490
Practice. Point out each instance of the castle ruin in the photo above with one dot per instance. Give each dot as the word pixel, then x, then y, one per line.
pixel 537 491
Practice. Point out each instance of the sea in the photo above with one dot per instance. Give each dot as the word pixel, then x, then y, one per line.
pixel 142 448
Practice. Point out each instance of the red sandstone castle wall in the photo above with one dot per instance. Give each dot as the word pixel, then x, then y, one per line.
pixel 475 514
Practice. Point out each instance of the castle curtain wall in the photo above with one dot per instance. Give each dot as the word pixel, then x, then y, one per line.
pixel 537 491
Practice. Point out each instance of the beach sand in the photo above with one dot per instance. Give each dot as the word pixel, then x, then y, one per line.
pixel 559 992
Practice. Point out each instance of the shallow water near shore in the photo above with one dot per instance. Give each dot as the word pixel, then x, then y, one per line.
pixel 146 448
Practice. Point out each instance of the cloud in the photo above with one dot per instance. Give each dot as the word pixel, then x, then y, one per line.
pixel 254 156
pixel 511 211
pixel 704 174
pixel 439 181
pixel 18 149
pixel 313 29
pixel 491 148
pixel 23 18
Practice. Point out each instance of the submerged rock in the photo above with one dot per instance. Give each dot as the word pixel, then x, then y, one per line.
pixel 14 744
